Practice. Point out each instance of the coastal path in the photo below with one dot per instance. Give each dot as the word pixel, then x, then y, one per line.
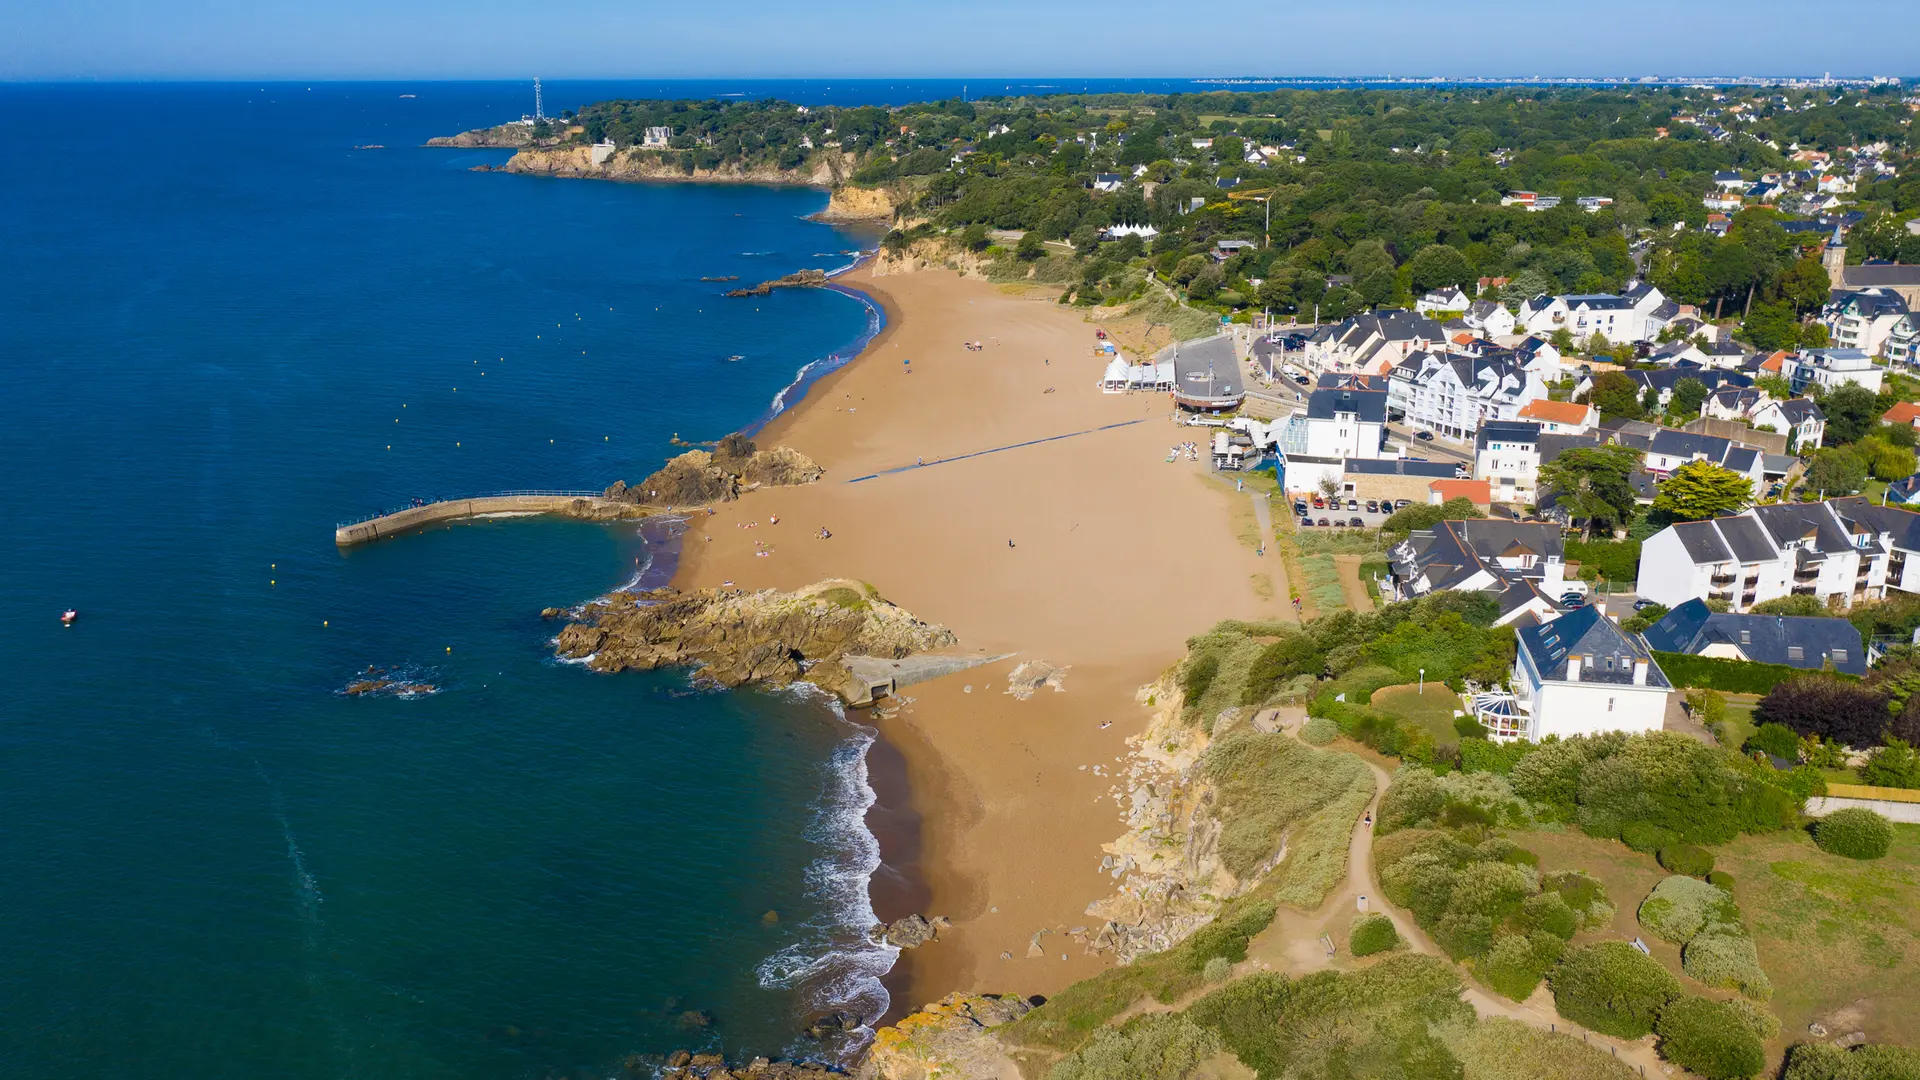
pixel 1301 951
pixel 994 450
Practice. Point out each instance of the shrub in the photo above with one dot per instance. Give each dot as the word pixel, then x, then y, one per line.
pixel 1646 837
pixel 1319 731
pixel 1776 740
pixel 1158 1046
pixel 1548 912
pixel 1718 957
pixel 1855 833
pixel 1680 907
pixel 1825 1061
pixel 1198 675
pixel 1584 895
pixel 1516 963
pixel 1217 969
pixel 1827 706
pixel 1720 879
pixel 1894 765
pixel 1687 859
pixel 1415 797
pixel 1497 1048
pixel 1373 934
pixel 1710 1039
pixel 1612 988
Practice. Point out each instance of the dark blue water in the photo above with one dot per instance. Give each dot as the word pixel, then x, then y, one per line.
pixel 222 329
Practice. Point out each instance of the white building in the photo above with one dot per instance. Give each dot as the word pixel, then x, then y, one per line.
pixel 1800 418
pixel 1863 319
pixel 1521 562
pixel 1490 318
pixel 1506 454
pixel 1371 344
pixel 1451 298
pixel 1454 395
pixel 1838 552
pixel 1582 675
pixel 1560 417
pixel 1638 316
pixel 1831 369
pixel 657 138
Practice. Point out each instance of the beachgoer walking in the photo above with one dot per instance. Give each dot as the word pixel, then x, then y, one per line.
pixel 1009 542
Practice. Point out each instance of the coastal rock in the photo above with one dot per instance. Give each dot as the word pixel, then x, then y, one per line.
pixel 849 203
pixel 734 637
pixel 911 932
pixel 824 168
pixel 799 279
pixel 699 477
pixel 1024 681
pixel 831 1024
pixel 505 135
pixel 949 1038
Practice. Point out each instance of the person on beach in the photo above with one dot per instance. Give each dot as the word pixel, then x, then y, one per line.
pixel 1009 542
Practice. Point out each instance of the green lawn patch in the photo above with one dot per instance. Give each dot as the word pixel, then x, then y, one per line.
pixel 1432 711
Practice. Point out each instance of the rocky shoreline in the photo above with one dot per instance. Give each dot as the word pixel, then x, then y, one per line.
pixel 799 279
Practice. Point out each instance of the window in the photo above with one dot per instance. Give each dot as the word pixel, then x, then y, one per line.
pixel 1795 652
pixel 1839 656
pixel 1746 637
pixel 1609 704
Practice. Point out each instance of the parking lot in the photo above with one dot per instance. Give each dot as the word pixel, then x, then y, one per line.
pixel 1343 514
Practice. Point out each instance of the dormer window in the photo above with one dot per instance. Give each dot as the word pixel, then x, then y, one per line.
pixel 1746 637
pixel 1795 652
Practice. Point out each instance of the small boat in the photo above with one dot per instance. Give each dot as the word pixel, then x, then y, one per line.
pixel 68 616
pixel 732 359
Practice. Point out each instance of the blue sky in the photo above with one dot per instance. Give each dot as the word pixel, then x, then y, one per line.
pixel 192 39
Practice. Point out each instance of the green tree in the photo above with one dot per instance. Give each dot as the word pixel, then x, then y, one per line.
pixel 1031 247
pixel 1774 386
pixel 1688 396
pixel 1616 395
pixel 1437 265
pixel 1852 411
pixel 1836 470
pixel 1592 484
pixel 1700 490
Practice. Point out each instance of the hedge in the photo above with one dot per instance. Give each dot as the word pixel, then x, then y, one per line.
pixel 1731 676
pixel 1709 1039
pixel 1612 988
pixel 1372 934
pixel 1687 859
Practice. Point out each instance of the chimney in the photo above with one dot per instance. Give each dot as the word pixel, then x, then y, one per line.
pixel 1600 605
pixel 1573 667
pixel 1554 579
pixel 1639 672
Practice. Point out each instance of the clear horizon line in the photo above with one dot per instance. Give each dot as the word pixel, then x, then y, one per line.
pixel 758 78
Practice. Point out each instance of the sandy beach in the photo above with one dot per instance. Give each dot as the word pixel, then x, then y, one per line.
pixel 1116 558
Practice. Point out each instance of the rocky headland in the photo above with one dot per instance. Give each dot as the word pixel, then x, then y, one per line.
pixel 735 637
pixel 950 1038
pixel 800 279
pixel 700 477
pixel 504 136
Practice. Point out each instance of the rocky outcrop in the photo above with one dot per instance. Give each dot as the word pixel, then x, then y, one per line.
pixel 850 203
pixel 682 1065
pixel 1171 881
pixel 504 136
pixel 826 168
pixel 736 637
pixel 911 932
pixel 698 477
pixel 800 279
pixel 951 1038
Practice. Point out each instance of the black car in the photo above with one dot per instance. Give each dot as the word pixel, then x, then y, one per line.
pixel 1356 523
pixel 1423 436
pixel 1642 605
pixel 1306 522
pixel 1323 523
pixel 1572 600
pixel 1338 524
pixel 1300 508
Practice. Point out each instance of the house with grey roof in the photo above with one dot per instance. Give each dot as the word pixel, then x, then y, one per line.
pixel 1839 552
pixel 1812 643
pixel 1580 674
pixel 1523 563
pixel 1371 344
pixel 1453 395
pixel 1800 418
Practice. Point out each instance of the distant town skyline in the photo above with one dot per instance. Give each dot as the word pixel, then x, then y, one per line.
pixel 609 39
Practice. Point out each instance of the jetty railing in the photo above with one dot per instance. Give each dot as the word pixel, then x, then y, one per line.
pixel 378 514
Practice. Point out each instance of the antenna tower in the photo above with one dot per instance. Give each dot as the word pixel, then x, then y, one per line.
pixel 538 113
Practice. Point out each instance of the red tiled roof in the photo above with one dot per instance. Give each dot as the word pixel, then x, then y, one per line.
pixel 1903 412
pixel 1478 490
pixel 1560 412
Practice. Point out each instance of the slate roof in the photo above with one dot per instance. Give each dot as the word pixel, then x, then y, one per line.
pixel 1369 405
pixel 1799 410
pixel 1893 274
pixel 1444 470
pixel 1608 653
pixel 1518 431
pixel 1794 641
pixel 1787 522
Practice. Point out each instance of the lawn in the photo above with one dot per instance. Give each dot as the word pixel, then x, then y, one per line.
pixel 1739 723
pixel 1432 710
pixel 1838 938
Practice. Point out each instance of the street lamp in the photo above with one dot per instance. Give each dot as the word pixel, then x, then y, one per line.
pixel 1423 682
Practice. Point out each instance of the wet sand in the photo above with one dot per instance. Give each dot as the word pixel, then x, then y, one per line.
pixel 1116 558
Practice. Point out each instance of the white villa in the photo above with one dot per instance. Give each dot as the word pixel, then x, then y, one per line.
pixel 1582 675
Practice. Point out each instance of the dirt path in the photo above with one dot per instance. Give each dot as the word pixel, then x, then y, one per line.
pixel 1351 586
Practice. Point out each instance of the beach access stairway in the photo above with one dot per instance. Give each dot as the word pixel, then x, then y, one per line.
pixel 582 504
pixel 876 678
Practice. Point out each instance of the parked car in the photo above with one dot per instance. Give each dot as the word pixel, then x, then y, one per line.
pixel 1301 379
pixel 1323 522
pixel 1572 600
pixel 1319 503
pixel 1306 522
pixel 1356 523
pixel 1300 507
pixel 1373 506
pixel 1338 524
pixel 1642 605
pixel 1353 504
pixel 1423 436
pixel 1402 504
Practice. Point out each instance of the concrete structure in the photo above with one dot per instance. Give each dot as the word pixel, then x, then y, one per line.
pixel 1506 454
pixel 1391 479
pixel 1582 675
pixel 590 505
pixel 1206 373
pixel 1831 369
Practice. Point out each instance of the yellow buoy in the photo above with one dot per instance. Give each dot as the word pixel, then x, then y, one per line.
pixel 449 649
pixel 324 622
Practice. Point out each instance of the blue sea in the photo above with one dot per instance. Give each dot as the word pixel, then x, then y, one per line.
pixel 223 329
